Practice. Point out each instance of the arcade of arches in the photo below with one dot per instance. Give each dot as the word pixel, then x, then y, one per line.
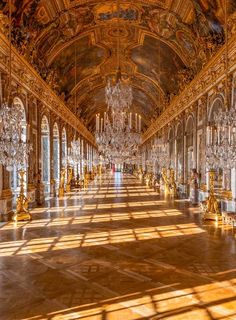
pixel 147 238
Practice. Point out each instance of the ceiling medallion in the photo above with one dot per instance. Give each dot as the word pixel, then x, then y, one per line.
pixel 118 32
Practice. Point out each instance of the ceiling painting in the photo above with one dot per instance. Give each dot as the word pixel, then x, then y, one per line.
pixel 77 62
pixel 163 46
pixel 159 62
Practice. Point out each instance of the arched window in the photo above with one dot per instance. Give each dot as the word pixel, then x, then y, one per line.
pixel 179 153
pixel 56 153
pixel 171 148
pixel 45 153
pixel 64 147
pixel 189 147
pixel 222 177
pixel 216 106
pixel 14 174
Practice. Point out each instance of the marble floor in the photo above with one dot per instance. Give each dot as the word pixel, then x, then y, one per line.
pixel 117 251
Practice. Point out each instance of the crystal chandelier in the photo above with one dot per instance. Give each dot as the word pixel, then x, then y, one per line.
pixel 117 136
pixel 118 96
pixel 73 157
pixel 221 138
pixel 118 133
pixel 13 149
pixel 159 153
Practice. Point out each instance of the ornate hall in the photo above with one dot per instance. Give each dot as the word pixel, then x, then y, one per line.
pixel 117 159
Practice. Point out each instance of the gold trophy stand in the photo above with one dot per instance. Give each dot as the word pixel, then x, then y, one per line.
pixel 22 203
pixel 211 206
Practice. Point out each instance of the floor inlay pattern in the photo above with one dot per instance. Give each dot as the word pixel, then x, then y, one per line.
pixel 117 251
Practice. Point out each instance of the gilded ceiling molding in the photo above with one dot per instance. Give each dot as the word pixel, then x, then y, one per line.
pixel 24 74
pixel 161 3
pixel 141 76
pixel 212 73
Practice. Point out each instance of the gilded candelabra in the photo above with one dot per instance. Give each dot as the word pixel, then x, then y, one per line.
pixel 165 181
pixel 86 177
pixel 69 179
pixel 61 190
pixel 100 170
pixel 173 187
pixel 22 203
pixel 211 206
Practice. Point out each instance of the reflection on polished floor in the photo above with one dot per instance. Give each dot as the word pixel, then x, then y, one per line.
pixel 117 252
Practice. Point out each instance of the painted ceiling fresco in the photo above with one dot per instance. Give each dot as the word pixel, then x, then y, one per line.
pixel 76 62
pixel 158 61
pixel 163 45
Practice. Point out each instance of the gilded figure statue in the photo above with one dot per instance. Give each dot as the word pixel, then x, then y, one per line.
pixel 62 183
pixel 173 187
pixel 69 179
pixel 164 180
pixel 22 203
pixel 211 205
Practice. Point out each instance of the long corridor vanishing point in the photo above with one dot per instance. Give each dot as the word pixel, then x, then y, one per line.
pixel 117 252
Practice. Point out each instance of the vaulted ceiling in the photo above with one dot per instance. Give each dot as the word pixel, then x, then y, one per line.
pixel 73 45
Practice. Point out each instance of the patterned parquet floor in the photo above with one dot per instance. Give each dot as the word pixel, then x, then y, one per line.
pixel 117 251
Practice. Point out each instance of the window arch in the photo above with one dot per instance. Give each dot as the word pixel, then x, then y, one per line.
pixel 56 153
pixel 222 176
pixel 171 147
pixel 179 152
pixel 64 146
pixel 216 106
pixel 189 147
pixel 45 152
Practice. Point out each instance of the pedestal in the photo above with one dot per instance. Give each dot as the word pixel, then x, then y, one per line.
pixel 61 192
pixel 194 195
pixel 53 188
pixel 40 197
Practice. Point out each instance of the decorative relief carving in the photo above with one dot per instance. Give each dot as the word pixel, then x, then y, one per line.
pixel 202 83
pixel 28 78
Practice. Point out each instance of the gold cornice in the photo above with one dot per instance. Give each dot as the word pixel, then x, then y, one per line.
pixel 26 76
pixel 69 4
pixel 212 73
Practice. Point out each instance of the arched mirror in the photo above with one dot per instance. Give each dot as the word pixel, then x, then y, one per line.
pixel 45 153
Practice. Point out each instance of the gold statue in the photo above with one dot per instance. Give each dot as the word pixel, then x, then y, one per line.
pixel 211 206
pixel 22 203
pixel 100 170
pixel 173 187
pixel 69 179
pixel 61 190
pixel 165 181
